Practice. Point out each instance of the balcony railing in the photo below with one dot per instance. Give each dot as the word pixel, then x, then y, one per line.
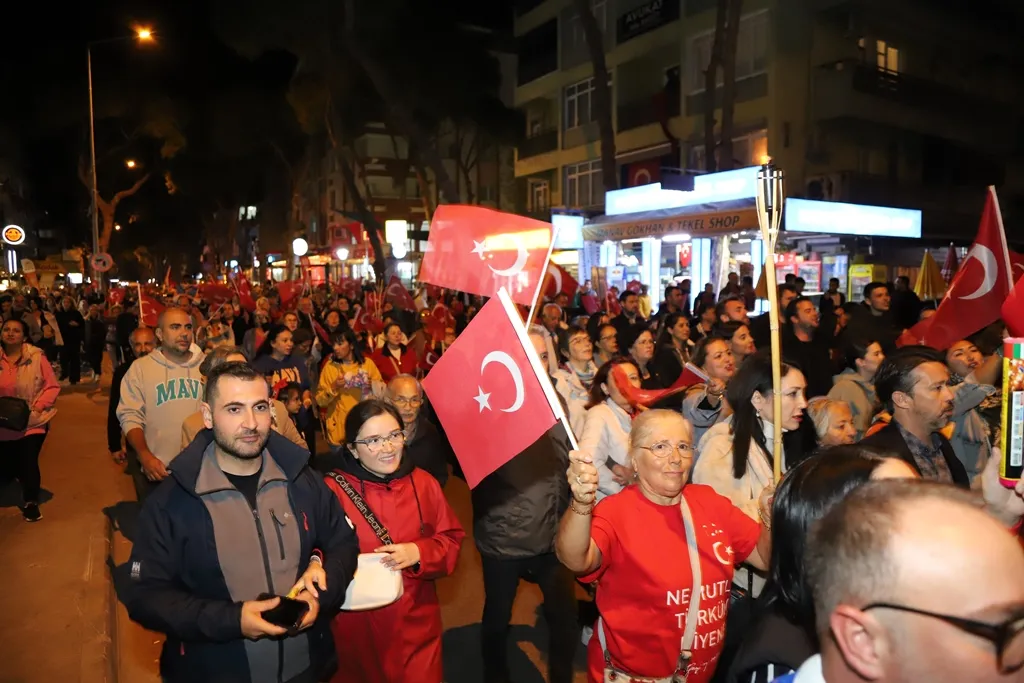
pixel 539 143
pixel 645 110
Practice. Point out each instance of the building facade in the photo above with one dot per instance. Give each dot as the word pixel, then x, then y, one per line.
pixel 910 104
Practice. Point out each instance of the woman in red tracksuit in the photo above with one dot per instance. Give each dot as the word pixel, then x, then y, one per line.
pixel 402 641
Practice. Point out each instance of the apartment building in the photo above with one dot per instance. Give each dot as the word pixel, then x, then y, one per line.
pixel 909 104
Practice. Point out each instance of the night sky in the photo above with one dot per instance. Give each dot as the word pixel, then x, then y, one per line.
pixel 43 67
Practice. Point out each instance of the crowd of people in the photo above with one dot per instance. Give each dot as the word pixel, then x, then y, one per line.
pixel 276 445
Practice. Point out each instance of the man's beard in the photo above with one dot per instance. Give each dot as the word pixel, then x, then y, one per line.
pixel 240 449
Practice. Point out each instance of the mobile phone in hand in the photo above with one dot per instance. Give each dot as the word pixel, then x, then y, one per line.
pixel 288 613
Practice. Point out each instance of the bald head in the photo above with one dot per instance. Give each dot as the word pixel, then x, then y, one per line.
pixel 143 341
pixel 893 555
pixel 174 332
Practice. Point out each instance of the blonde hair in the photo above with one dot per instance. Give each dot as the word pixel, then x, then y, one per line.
pixel 821 409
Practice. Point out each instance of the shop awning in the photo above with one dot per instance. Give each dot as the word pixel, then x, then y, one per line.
pixel 700 220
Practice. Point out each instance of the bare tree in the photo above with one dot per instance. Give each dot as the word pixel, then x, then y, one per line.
pixel 108 207
pixel 602 92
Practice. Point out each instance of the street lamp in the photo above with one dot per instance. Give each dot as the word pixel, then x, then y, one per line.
pixel 144 35
pixel 130 163
pixel 117 226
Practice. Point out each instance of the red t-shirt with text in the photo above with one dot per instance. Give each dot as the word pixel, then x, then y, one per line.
pixel 644 582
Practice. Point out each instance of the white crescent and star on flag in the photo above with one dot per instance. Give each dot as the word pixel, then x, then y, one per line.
pixel 556 276
pixel 483 398
pixel 521 257
pixel 990 266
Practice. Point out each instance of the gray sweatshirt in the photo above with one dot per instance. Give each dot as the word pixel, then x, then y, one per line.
pixel 157 395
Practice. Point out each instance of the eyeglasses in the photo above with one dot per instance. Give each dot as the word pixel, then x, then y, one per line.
pixel 406 401
pixel 1008 637
pixel 663 449
pixel 375 444
pixel 608 337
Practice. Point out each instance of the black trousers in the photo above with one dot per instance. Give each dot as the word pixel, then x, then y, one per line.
pixel 558 586
pixel 21 462
pixel 143 486
pixel 94 357
pixel 71 362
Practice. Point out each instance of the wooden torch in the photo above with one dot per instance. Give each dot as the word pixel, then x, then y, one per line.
pixel 770 201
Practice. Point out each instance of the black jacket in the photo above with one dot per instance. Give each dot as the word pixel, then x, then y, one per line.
pixel 814 359
pixel 180 586
pixel 517 509
pixel 890 442
pixel 864 324
pixel 429 450
pixel 771 647
pixel 113 424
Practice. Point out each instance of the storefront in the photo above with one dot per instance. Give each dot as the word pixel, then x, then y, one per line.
pixel 660 236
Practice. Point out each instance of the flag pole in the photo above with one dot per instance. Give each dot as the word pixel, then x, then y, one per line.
pixel 142 313
pixel 543 277
pixel 770 201
pixel 522 331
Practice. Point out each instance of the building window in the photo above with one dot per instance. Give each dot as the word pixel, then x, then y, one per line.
pixel 751 51
pixel 577 36
pixel 747 150
pixel 583 185
pixel 540 195
pixel 579 99
pixel 887 57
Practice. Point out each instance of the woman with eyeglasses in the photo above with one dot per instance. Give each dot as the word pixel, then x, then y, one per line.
pixel 403 639
pixel 662 552
pixel 605 338
pixel 346 379
pixel 638 341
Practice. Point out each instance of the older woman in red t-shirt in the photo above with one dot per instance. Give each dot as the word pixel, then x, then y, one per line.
pixel 637 546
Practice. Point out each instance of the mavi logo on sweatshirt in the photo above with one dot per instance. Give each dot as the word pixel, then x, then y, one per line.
pixel 181 388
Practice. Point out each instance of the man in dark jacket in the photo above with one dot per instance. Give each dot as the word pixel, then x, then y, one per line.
pixel 425 446
pixel 72 329
pixel 143 342
pixel 516 512
pixel 913 384
pixel 241 516
pixel 874 320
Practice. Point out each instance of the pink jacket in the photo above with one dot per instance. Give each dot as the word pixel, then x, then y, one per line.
pixel 33 380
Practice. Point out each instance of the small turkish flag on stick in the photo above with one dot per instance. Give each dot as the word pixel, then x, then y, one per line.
pixel 558 281
pixel 491 392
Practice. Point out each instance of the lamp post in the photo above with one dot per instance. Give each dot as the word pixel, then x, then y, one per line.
pixel 143 35
pixel 770 201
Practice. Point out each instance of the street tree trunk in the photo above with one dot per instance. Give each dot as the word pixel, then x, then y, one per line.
pixel 602 93
pixel 107 208
pixel 728 57
pixel 399 112
pixel 710 86
pixel 374 229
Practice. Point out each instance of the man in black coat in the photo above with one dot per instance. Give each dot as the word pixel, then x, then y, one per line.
pixel 912 383
pixel 426 447
pixel 72 329
pixel 143 341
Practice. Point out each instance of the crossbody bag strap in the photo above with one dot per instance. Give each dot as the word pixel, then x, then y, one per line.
pixel 364 509
pixel 693 612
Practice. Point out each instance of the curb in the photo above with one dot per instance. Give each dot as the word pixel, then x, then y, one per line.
pixel 113 651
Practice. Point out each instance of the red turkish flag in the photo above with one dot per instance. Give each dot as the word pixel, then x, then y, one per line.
pixel 558 281
pixel 149 310
pixel 1013 310
pixel 916 334
pixel 216 294
pixel 244 290
pixel 611 304
pixel 478 250
pixel 289 291
pixel 489 392
pixel 365 320
pixel 439 319
pixel 979 288
pixel 116 296
pixel 1016 265
pixel 398 295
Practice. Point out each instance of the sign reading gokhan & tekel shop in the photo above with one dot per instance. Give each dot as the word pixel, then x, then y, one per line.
pixel 695 224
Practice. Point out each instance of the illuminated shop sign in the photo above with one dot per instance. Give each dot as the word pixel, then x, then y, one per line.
pixel 711 187
pixel 805 215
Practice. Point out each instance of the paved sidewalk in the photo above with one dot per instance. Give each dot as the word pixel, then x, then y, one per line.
pixel 57 594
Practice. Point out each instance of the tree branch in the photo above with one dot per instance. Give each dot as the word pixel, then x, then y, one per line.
pixel 124 194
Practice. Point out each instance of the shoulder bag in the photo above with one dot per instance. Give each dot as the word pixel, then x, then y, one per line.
pixel 14 413
pixel 374 585
pixel 613 675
